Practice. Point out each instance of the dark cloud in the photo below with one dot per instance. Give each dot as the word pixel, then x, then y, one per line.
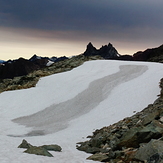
pixel 80 15
pixel 85 20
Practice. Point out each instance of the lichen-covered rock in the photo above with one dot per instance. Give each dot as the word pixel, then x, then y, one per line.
pixel 150 116
pixel 38 151
pixel 99 157
pixel 52 147
pixel 130 138
pixel 152 151
pixel 24 144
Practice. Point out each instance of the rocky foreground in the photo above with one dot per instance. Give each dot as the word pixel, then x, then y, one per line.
pixel 136 139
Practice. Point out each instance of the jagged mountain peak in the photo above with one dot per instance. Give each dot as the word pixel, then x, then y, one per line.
pixel 35 57
pixel 90 50
pixel 106 51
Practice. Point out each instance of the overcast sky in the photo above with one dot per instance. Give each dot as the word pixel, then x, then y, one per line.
pixel 65 27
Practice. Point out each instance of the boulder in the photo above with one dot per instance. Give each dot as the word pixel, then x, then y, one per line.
pixel 138 135
pixel 87 148
pixel 38 151
pixel 99 157
pixel 151 152
pixel 149 117
pixel 130 138
pixel 52 147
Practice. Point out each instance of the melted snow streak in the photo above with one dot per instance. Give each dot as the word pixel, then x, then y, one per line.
pixel 57 116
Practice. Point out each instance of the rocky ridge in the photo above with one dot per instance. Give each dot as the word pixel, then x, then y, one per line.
pixel 135 139
pixel 21 66
pixel 150 55
pixel 31 79
pixel 106 51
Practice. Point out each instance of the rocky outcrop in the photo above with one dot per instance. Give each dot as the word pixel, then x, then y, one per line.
pixel 132 140
pixel 21 66
pixel 107 51
pixel 16 68
pixel 30 80
pixel 90 50
pixel 40 150
pixel 151 152
pixel 151 55
pixel 42 61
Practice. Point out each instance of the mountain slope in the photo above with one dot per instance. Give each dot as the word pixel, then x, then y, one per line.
pixel 150 55
pixel 91 96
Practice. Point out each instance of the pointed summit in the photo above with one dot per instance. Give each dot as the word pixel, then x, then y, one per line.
pixel 106 51
pixel 34 58
pixel 91 50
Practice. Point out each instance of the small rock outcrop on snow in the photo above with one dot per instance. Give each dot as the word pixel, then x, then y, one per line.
pixel 40 150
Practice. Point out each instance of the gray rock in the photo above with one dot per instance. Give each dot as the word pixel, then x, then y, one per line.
pixel 52 147
pixel 89 149
pixel 152 152
pixel 41 150
pixel 129 138
pixel 24 144
pixel 149 117
pixel 138 135
pixel 38 151
pixel 99 157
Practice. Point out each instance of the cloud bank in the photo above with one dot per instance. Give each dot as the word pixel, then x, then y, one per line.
pixel 83 21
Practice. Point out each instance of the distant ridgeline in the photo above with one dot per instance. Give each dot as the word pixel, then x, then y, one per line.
pixel 23 73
